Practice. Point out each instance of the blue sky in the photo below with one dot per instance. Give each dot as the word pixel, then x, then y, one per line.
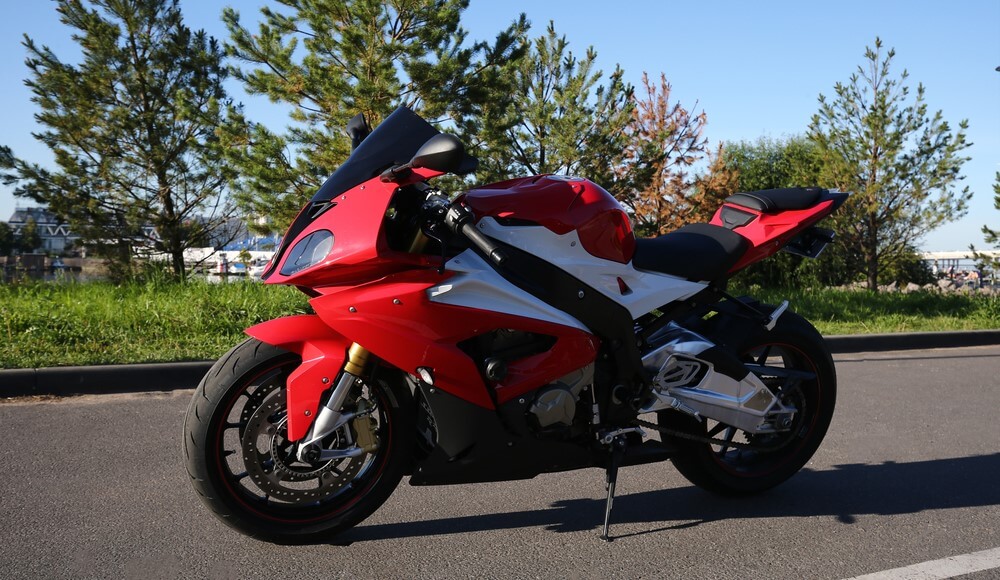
pixel 756 68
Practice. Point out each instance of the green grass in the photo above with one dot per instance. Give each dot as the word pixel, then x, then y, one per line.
pixel 100 323
pixel 862 312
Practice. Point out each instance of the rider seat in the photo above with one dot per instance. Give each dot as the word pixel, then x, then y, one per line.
pixel 699 252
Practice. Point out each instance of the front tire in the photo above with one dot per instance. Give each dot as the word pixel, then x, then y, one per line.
pixel 246 472
pixel 719 468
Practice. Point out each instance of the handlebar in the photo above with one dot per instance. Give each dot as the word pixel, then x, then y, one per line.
pixel 459 219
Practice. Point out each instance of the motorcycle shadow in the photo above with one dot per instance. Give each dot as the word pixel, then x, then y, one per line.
pixel 843 492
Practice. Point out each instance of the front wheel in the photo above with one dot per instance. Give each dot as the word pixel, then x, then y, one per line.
pixel 246 471
pixel 740 463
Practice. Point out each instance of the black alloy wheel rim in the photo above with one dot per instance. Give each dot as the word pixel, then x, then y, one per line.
pixel 776 450
pixel 257 464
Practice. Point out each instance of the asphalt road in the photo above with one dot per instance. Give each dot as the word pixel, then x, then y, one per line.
pixel 93 487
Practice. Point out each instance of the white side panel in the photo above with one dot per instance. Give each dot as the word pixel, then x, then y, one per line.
pixel 477 285
pixel 649 289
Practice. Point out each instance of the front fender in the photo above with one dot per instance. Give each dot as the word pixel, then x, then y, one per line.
pixel 323 352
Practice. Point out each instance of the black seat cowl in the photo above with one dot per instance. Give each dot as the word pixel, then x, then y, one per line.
pixel 775 200
pixel 699 252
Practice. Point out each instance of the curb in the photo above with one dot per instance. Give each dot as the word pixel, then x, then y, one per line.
pixel 850 343
pixel 102 379
pixel 138 378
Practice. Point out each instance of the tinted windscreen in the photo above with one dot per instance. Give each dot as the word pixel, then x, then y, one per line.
pixel 393 142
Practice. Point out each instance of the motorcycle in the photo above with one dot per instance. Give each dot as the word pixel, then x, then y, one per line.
pixel 518 329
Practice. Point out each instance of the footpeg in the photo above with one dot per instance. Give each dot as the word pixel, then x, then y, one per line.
pixel 609 437
pixel 773 319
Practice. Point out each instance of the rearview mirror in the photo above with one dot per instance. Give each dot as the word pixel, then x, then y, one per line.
pixel 441 152
pixel 357 130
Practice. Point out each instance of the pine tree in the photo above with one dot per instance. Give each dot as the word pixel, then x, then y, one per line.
pixel 991 236
pixel 130 128
pixel 329 60
pixel 712 187
pixel 901 164
pixel 664 140
pixel 562 119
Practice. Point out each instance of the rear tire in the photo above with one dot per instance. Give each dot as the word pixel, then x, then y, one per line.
pixel 793 343
pixel 246 472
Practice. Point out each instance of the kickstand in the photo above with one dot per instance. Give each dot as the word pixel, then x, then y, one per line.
pixel 617 452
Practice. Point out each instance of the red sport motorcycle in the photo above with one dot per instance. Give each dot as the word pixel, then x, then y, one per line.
pixel 518 329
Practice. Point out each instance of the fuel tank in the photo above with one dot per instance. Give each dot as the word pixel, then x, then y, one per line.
pixel 560 203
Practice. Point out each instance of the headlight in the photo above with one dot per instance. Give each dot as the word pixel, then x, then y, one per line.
pixel 309 251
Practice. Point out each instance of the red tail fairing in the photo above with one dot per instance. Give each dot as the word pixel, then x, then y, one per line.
pixel 771 226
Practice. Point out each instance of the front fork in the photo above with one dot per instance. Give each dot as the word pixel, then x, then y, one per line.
pixel 330 418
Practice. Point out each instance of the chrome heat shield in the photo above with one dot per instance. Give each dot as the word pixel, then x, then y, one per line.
pixel 693 375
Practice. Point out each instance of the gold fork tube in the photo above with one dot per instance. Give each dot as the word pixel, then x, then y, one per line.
pixel 357 357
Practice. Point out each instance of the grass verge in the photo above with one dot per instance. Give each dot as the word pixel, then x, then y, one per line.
pixel 863 312
pixel 99 323
pixel 44 325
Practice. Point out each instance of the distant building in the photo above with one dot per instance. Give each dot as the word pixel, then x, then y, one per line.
pixel 55 234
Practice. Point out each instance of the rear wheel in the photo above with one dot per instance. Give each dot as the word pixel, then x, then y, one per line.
pixel 247 472
pixel 740 463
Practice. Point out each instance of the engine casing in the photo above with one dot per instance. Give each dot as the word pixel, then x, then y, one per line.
pixel 555 405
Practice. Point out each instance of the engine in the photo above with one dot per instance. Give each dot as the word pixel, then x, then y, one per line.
pixel 555 405
pixel 695 376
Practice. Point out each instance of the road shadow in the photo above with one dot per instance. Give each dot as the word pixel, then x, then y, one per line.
pixel 844 492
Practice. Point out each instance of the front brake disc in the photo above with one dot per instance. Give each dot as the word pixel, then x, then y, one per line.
pixel 271 463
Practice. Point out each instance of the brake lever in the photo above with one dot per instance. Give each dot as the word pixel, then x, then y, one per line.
pixel 432 223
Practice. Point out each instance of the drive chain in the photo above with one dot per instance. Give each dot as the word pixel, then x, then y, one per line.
pixel 711 441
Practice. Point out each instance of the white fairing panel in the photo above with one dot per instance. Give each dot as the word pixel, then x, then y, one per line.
pixel 477 285
pixel 649 290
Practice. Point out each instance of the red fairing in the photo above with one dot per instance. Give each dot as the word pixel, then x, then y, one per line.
pixel 323 352
pixel 394 319
pixel 561 204
pixel 769 232
pixel 360 251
